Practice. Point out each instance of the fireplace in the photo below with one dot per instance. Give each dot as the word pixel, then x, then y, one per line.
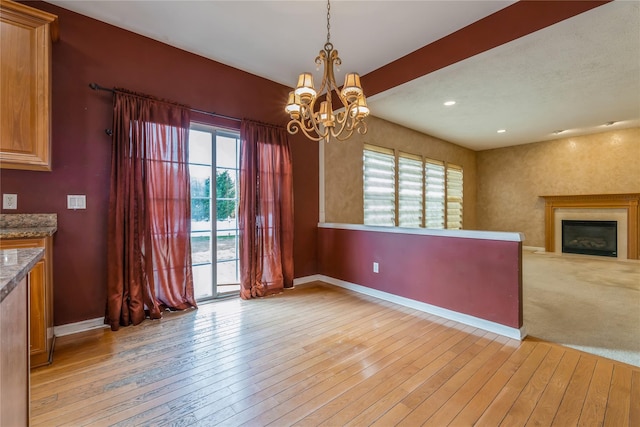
pixel 622 208
pixel 590 237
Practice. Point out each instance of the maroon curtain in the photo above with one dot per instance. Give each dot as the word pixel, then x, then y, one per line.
pixel 149 247
pixel 265 215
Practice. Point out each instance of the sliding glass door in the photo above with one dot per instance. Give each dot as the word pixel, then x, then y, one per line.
pixel 213 165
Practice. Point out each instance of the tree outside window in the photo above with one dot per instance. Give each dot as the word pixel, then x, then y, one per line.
pixel 226 194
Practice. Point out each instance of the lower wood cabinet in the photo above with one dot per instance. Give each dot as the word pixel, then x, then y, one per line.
pixel 40 281
pixel 14 358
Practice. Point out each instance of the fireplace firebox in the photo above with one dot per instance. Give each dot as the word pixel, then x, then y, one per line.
pixel 590 237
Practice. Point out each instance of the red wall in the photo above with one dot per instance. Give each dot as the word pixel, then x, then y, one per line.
pixel 91 51
pixel 481 278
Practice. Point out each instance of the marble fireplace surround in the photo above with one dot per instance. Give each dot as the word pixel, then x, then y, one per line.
pixel 622 208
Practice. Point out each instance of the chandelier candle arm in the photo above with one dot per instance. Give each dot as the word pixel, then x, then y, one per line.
pixel 322 123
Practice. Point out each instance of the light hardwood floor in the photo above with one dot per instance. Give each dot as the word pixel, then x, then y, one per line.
pixel 320 355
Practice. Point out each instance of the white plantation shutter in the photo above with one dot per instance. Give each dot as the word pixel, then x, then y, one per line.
pixel 429 193
pixel 379 186
pixel 454 197
pixel 409 191
pixel 434 206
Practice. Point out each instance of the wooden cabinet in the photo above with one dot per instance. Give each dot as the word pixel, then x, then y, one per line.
pixel 40 299
pixel 25 86
pixel 14 358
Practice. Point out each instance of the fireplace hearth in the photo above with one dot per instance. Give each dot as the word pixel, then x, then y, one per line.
pixel 590 237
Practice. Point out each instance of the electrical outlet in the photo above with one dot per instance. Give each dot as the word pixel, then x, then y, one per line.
pixel 375 267
pixel 9 201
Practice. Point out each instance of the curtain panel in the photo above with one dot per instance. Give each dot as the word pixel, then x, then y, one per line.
pixel 149 247
pixel 265 214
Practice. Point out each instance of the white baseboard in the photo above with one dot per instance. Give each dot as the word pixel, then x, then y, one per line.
pixel 300 281
pixel 519 334
pixel 515 333
pixel 74 328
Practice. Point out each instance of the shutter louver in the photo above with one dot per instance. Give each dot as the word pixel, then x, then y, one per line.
pixel 454 197
pixel 379 188
pixel 434 194
pixel 409 192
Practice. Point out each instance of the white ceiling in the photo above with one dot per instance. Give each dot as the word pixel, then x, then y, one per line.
pixel 574 76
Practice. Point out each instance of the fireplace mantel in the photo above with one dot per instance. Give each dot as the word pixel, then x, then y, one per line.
pixel 628 201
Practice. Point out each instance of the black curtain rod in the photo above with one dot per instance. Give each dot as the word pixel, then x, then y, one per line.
pixel 96 86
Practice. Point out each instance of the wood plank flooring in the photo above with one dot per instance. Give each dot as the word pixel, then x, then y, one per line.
pixel 320 355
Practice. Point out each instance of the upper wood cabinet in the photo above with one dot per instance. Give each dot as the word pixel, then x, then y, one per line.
pixel 25 86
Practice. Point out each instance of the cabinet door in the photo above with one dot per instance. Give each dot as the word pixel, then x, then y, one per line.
pixel 25 87
pixel 37 317
pixel 14 358
pixel 41 300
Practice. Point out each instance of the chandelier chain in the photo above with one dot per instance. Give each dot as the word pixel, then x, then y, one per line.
pixel 328 24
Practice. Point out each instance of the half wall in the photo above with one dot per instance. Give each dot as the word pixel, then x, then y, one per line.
pixel 475 273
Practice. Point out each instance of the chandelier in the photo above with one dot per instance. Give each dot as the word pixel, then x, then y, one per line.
pixel 322 123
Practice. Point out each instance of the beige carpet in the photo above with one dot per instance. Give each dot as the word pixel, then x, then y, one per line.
pixel 584 302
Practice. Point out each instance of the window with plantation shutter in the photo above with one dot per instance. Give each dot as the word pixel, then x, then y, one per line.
pixel 434 176
pixel 454 197
pixel 379 177
pixel 409 191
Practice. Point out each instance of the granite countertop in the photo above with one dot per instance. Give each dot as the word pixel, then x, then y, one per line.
pixel 14 266
pixel 26 232
pixel 25 226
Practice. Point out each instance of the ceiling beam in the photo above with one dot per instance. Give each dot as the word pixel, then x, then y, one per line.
pixel 503 26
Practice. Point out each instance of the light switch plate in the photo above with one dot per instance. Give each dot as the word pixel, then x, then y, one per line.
pixel 76 201
pixel 9 201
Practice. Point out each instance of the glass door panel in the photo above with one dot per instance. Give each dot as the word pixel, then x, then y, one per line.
pixel 227 251
pixel 227 190
pixel 202 281
pixel 227 151
pixel 213 163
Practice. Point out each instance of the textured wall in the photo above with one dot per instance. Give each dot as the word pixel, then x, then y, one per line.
pixel 343 168
pixel 510 180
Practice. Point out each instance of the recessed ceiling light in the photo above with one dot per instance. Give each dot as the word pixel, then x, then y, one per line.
pixel 450 103
pixel 502 130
